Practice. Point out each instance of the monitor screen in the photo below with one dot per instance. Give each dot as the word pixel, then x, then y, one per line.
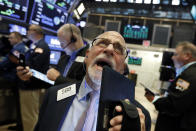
pixel 147 1
pixel 54 57
pixel 156 1
pixel 50 16
pixel 22 30
pixel 193 12
pixel 175 2
pixel 134 60
pixel 65 4
pixel 135 32
pixel 53 42
pixel 14 9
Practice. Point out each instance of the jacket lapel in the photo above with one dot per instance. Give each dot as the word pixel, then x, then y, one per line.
pixel 64 105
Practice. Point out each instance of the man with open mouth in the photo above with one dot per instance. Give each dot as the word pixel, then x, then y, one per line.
pixel 68 107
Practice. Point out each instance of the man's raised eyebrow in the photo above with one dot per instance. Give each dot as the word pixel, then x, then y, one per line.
pixel 117 42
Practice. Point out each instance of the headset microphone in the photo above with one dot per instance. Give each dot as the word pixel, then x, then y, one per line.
pixel 67 45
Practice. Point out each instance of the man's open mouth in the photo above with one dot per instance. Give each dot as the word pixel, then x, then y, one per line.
pixel 103 63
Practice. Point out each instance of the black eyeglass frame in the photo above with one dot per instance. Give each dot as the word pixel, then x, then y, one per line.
pixel 126 54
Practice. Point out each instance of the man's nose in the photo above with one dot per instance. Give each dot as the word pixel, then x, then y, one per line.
pixel 173 57
pixel 109 49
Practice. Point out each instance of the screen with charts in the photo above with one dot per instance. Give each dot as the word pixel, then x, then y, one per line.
pixel 22 30
pixel 62 3
pixel 54 57
pixel 135 32
pixel 14 9
pixel 134 60
pixel 53 42
pixel 48 15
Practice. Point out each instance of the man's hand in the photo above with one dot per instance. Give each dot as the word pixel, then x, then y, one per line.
pixel 117 120
pixel 23 73
pixel 52 74
pixel 13 59
pixel 142 119
pixel 149 96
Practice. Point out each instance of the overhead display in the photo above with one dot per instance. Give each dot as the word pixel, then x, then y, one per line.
pixel 48 15
pixel 135 32
pixel 14 9
pixel 65 4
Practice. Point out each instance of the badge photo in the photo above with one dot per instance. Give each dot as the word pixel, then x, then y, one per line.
pixel 182 84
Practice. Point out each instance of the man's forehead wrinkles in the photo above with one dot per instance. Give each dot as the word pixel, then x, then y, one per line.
pixel 109 40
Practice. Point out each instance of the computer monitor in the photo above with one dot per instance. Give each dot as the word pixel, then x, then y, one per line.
pixel 54 57
pixel 48 15
pixel 53 42
pixel 135 32
pixel 22 30
pixel 14 9
pixel 161 35
pixel 65 4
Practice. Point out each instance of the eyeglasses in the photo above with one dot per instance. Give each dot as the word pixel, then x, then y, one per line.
pixel 103 43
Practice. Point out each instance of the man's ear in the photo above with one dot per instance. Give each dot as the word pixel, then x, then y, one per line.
pixel 86 56
pixel 188 56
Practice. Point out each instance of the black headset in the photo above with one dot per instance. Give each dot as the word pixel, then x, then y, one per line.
pixel 72 39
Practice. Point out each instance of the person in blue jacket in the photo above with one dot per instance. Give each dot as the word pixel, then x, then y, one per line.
pixel 9 62
pixel 31 89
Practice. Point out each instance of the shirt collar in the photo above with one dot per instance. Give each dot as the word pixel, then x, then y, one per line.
pixel 73 55
pixel 84 90
pixel 180 70
pixel 37 41
pixel 17 44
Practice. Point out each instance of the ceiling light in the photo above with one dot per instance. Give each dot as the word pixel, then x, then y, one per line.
pixel 175 2
pixel 138 1
pixel 147 1
pixel 113 0
pixel 76 14
pixel 129 1
pixel 156 1
pixel 81 8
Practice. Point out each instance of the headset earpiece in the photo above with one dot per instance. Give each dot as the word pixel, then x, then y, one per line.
pixel 73 39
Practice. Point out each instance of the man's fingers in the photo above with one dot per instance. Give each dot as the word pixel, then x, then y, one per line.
pixel 52 74
pixel 19 68
pixel 115 128
pixel 142 119
pixel 116 120
pixel 118 108
pixel 24 73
